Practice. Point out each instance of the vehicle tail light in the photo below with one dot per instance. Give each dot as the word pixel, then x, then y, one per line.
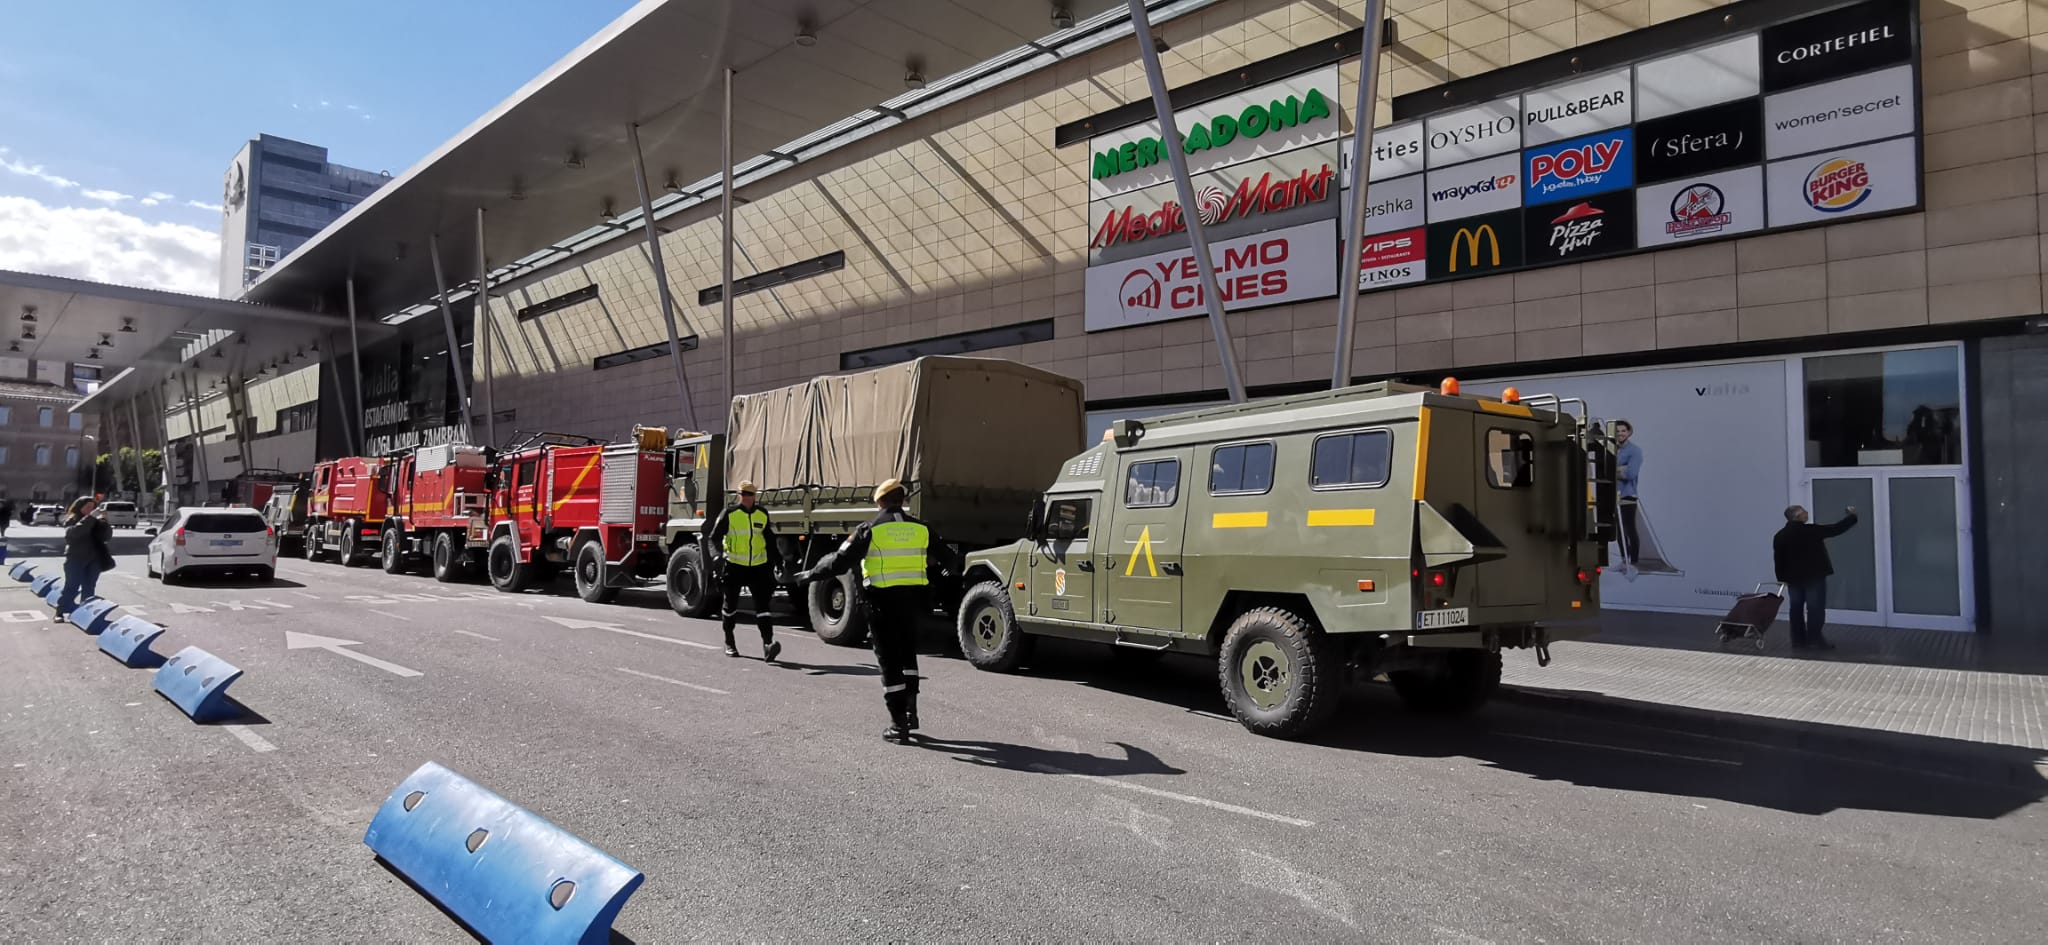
pixel 180 538
pixel 1588 577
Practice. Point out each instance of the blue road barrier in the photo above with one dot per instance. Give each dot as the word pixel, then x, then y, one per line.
pixel 197 682
pixel 22 571
pixel 128 639
pixel 41 583
pixel 54 593
pixel 93 615
pixel 506 872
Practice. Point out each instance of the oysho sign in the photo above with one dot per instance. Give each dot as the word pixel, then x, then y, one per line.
pixel 1264 269
pixel 1471 133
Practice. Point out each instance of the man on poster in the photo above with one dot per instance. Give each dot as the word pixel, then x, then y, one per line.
pixel 1628 464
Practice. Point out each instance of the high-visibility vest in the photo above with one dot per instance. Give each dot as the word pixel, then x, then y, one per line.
pixel 895 557
pixel 745 543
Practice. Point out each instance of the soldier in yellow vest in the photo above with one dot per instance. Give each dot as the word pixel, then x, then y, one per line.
pixel 890 549
pixel 743 543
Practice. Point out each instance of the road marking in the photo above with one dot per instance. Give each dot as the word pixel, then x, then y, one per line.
pixel 250 738
pixel 393 616
pixel 306 595
pixel 1633 751
pixel 294 640
pixel 686 685
pixel 1273 874
pixel 472 633
pixel 1183 798
pixel 23 616
pixel 178 608
pixel 575 624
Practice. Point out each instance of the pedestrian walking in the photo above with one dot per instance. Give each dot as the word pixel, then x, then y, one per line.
pixel 1800 552
pixel 890 549
pixel 744 543
pixel 87 553
pixel 6 515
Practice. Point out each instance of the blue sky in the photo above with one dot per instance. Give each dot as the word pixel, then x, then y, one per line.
pixel 118 117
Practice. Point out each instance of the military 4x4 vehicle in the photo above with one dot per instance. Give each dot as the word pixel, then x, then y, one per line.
pixel 1311 541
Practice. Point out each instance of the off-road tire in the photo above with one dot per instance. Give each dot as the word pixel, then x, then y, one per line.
pixel 989 636
pixel 389 555
pixel 448 563
pixel 310 546
pixel 351 545
pixel 844 625
pixel 692 591
pixel 1462 681
pixel 508 573
pixel 590 574
pixel 1279 674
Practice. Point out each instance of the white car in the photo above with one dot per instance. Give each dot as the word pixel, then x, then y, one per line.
pixel 120 513
pixel 48 515
pixel 213 541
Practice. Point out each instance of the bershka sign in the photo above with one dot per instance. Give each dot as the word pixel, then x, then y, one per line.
pixel 1577 108
pixel 1476 132
pixel 1596 226
pixel 1395 205
pixel 1289 265
pixel 1392 259
pixel 1700 142
pixel 1268 120
pixel 1581 167
pixel 1849 182
pixel 1472 189
pixel 1845 111
pixel 1266 193
pixel 1697 208
pixel 1838 43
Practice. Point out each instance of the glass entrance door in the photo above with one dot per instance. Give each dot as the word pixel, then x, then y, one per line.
pixel 1905 564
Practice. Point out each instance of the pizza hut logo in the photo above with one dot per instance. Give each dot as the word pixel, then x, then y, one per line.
pixel 1576 229
pixel 1698 210
pixel 1836 185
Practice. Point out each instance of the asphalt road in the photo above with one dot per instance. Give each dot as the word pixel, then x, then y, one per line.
pixel 1086 800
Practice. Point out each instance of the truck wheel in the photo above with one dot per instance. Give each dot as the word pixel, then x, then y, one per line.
pixel 691 590
pixel 391 554
pixel 447 559
pixel 989 637
pixel 1278 674
pixel 1459 683
pixel 311 544
pixel 351 545
pixel 836 614
pixel 508 573
pixel 590 569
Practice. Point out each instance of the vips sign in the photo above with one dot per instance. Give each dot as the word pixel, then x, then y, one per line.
pixel 1392 259
pixel 1287 265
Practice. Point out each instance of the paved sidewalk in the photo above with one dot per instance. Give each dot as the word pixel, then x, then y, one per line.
pixel 1888 681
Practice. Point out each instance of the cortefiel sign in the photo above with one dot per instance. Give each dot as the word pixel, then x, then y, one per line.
pixel 1287 265
pixel 1837 43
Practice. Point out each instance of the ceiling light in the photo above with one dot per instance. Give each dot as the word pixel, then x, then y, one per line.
pixel 14 347
pixel 607 214
pixel 106 340
pixel 913 79
pixel 93 355
pixel 128 325
pixel 28 333
pixel 806 35
pixel 516 193
pixel 28 314
pixel 1062 18
pixel 574 161
pixel 672 186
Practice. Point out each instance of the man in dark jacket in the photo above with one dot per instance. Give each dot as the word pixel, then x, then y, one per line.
pixel 890 550
pixel 1801 552
pixel 743 543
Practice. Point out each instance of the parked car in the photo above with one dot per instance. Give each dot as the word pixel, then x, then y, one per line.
pixel 121 513
pixel 213 542
pixel 47 515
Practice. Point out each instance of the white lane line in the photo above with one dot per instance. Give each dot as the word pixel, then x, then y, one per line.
pixel 1173 796
pixel 1632 751
pixel 686 685
pixel 250 738
pixel 381 613
pixel 480 636
pixel 306 595
pixel 576 624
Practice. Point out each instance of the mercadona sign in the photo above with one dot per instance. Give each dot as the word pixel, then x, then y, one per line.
pixel 1272 119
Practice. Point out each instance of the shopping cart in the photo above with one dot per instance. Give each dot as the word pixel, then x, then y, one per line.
pixel 1751 616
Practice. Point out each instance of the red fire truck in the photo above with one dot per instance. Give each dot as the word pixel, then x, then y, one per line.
pixel 346 509
pixel 562 501
pixel 439 498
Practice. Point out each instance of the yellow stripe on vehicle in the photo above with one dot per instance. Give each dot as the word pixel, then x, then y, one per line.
pixel 574 485
pixel 1421 450
pixel 1238 520
pixel 1512 410
pixel 1324 518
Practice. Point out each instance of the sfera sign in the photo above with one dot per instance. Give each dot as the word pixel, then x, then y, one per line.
pixel 1698 142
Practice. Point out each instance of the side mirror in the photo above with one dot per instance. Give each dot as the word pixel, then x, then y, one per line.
pixel 149 532
pixel 1034 522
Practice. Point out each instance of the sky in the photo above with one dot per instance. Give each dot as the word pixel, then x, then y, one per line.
pixel 118 118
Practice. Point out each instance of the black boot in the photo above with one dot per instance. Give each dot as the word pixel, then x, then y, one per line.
pixel 898 731
pixel 910 713
pixel 769 648
pixel 730 648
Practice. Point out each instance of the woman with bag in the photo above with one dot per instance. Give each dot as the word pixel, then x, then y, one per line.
pixel 87 552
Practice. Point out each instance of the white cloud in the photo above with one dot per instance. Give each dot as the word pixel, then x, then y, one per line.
pixel 105 196
pixel 106 245
pixel 203 205
pixel 25 169
pixel 156 197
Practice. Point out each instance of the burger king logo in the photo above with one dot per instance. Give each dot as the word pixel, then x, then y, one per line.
pixel 1837 184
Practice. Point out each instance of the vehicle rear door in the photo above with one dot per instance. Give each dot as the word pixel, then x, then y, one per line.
pixel 225 534
pixel 1062 566
pixel 1140 556
pixel 1509 506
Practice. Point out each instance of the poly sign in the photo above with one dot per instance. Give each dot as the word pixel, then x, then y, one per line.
pixel 1287 265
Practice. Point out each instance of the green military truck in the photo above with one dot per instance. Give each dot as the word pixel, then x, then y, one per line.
pixel 975 442
pixel 1310 541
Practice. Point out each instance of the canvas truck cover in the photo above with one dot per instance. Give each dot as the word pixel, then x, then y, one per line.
pixel 982 423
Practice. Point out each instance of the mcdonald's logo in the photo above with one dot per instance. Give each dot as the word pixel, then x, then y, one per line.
pixel 1469 239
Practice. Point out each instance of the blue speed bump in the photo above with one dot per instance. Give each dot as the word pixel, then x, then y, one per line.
pixel 128 639
pixel 41 583
pixel 22 571
pixel 93 615
pixel 197 682
pixel 54 593
pixel 504 871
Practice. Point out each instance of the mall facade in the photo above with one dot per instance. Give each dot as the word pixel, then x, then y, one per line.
pixel 1797 245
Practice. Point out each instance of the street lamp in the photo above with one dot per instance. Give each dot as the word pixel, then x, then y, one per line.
pixel 94 457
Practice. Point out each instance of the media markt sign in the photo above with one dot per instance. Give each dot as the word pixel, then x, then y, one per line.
pixel 1272 119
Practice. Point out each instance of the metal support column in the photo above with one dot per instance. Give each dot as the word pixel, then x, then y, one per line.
pixel 668 304
pixel 454 344
pixel 483 331
pixel 160 411
pixel 1178 161
pixel 348 430
pixel 355 351
pixel 195 427
pixel 1352 236
pixel 141 463
pixel 725 236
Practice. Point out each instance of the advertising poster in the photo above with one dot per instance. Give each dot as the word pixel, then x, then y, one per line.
pixel 1719 73
pixel 1265 269
pixel 1694 208
pixel 1832 114
pixel 1710 477
pixel 1845 183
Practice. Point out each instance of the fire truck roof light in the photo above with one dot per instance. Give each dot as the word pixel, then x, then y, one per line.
pixel 1511 396
pixel 1449 388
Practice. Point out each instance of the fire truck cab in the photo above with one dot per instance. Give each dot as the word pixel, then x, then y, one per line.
pixel 345 509
pixel 564 501
pixel 439 498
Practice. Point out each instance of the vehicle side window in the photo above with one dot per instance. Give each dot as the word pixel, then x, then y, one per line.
pixel 1352 460
pixel 526 472
pixel 1507 459
pixel 1067 520
pixel 1243 469
pixel 1152 485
